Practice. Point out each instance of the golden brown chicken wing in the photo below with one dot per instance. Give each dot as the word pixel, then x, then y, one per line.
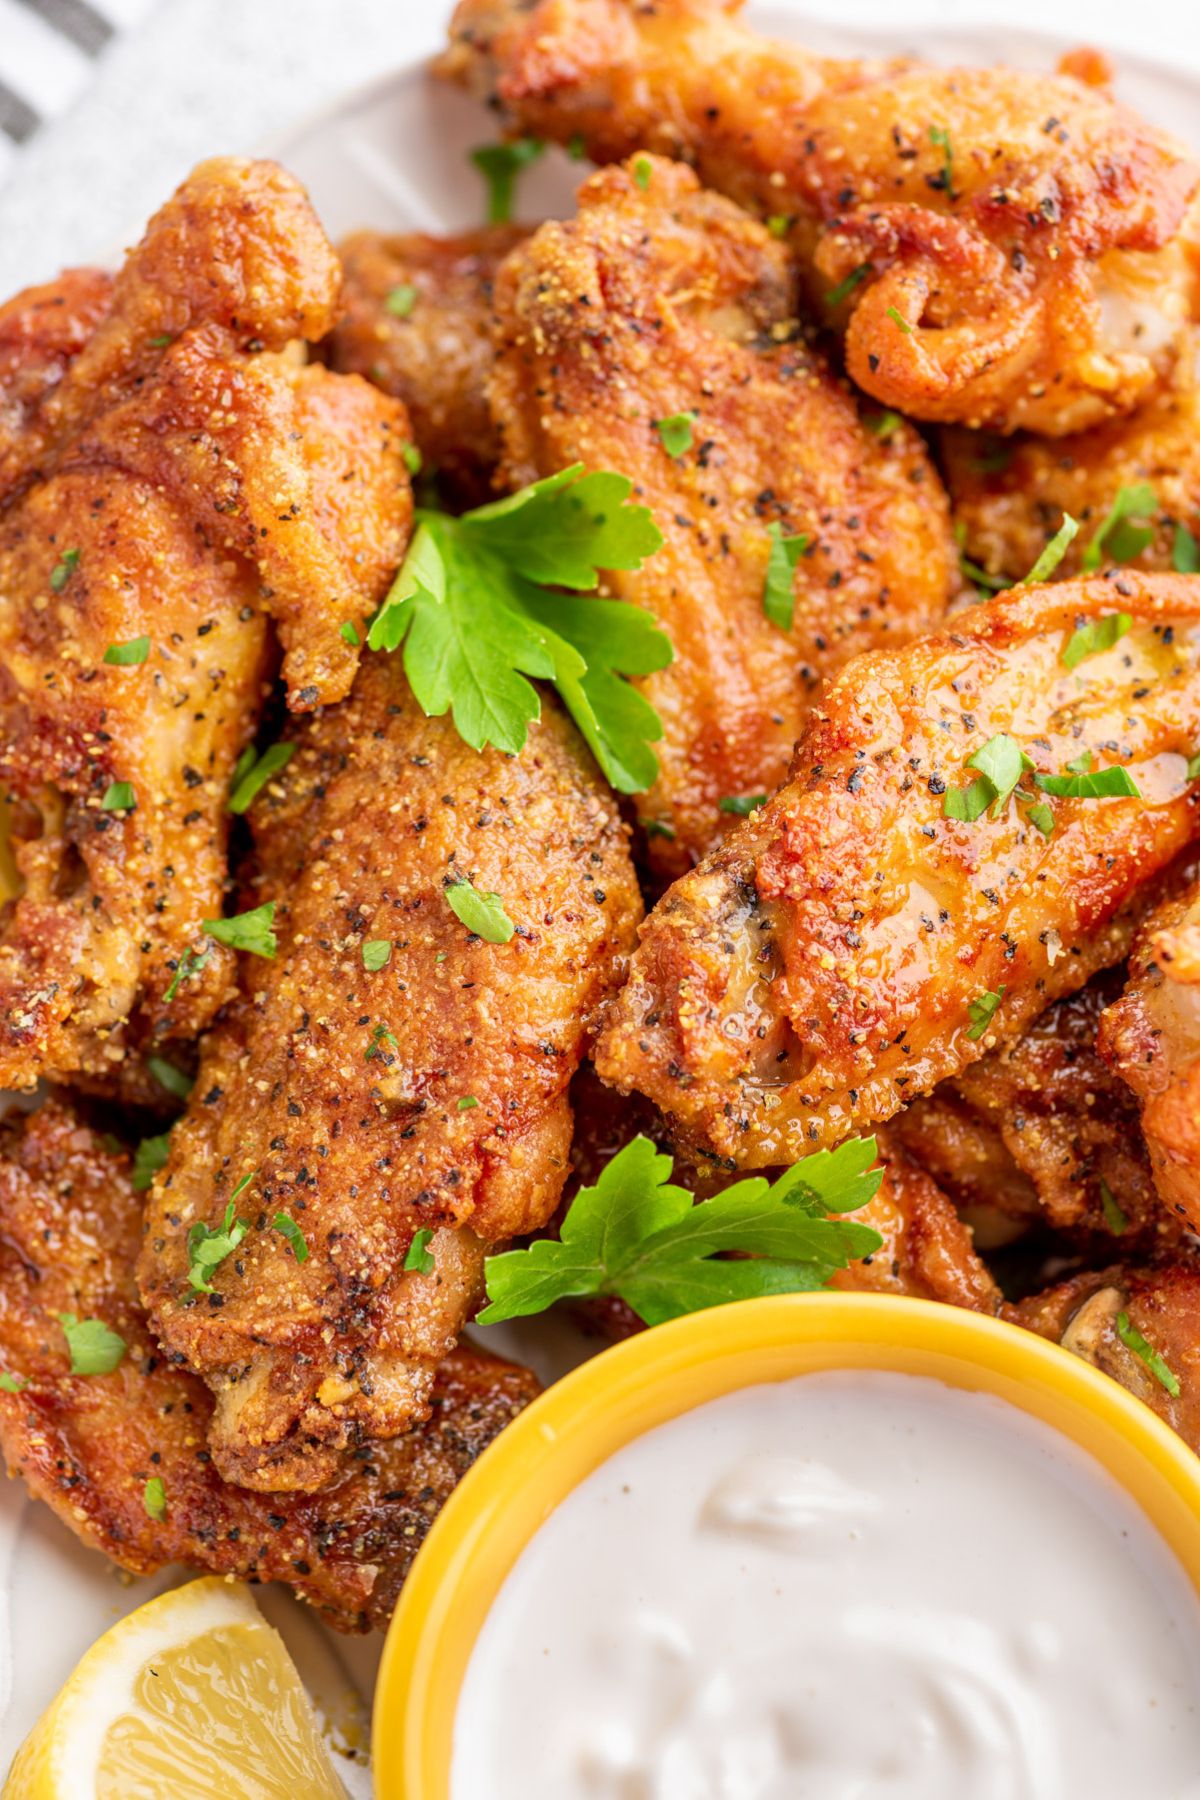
pixel 1002 249
pixel 391 1073
pixel 417 321
pixel 170 483
pixel 661 302
pixel 927 1252
pixel 70 1226
pixel 892 914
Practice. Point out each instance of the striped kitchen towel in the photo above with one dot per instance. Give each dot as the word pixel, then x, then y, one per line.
pixel 48 50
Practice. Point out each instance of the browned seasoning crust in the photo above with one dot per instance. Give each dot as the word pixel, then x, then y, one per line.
pixel 70 1225
pixel 416 320
pixel 817 971
pixel 1030 232
pixel 660 300
pixel 338 1089
pixel 173 479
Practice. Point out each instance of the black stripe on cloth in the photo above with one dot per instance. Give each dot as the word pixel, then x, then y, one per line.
pixel 88 29
pixel 18 120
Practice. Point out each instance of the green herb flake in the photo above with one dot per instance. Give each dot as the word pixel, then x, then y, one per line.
pixel 1001 764
pixel 412 459
pixel 482 914
pixel 741 804
pixel 1193 767
pixel 657 828
pixel 94 1349
pixel 676 432
pixel 898 319
pixel 420 1258
pixel 149 1157
pixel 379 1037
pixel 981 1012
pixel 939 137
pixel 1101 784
pixel 254 776
pixel 500 165
pixel 779 224
pixel 1114 1217
pixel 63 570
pixel 1115 534
pixel 129 654
pixel 401 300
pixel 288 1228
pixel 1054 552
pixel 160 342
pixel 1095 635
pixel 885 424
pixel 1133 1340
pixel 154 1499
pixel 189 964
pixel 12 1384
pixel 243 1184
pixel 577 147
pixel 642 172
pixel 778 598
pixel 375 953
pixel 119 797
pixel 466 1103
pixel 209 1246
pixel 349 634
pixel 1185 552
pixel 845 288
pixel 249 931
pixel 1041 818
pixel 169 1077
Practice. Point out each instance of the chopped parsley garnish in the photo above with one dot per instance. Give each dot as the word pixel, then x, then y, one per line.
pixel 500 165
pixel 63 570
pixel 845 288
pixel 778 599
pixel 650 1244
pixel 741 804
pixel 1193 768
pixel 577 147
pixel 149 1157
pixel 1040 816
pixel 657 828
pixel 981 1012
pixel 288 1228
pixel 154 1498
pixel 253 772
pixel 1115 534
pixel 885 424
pixel 979 577
pixel 482 914
pixel 169 1077
pixel 420 1258
pixel 1001 763
pixel 119 797
pixel 939 137
pixel 412 460
pixel 1084 783
pixel 95 1350
pixel 1094 636
pixel 209 1246
pixel 349 634
pixel 676 432
pixel 465 1103
pixel 1185 552
pixel 472 609
pixel 243 1184
pixel 13 1384
pixel 129 654
pixel 1054 552
pixel 160 342
pixel 642 172
pixel 189 964
pixel 898 319
pixel 379 1037
pixel 1114 1217
pixel 246 931
pixel 401 300
pixel 1133 1340
pixel 779 224
pixel 375 953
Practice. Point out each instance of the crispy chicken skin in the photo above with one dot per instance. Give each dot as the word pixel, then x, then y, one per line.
pixel 345 1094
pixel 927 1250
pixel 176 485
pixel 660 299
pixel 416 320
pixel 70 1225
pixel 816 972
pixel 1009 500
pixel 1030 232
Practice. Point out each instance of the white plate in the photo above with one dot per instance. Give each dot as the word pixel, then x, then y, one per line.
pixel 394 155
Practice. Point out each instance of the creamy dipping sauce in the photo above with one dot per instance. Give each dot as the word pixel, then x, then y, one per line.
pixel 848 1586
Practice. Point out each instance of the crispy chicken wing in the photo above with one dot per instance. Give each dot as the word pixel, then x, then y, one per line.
pixel 1029 234
pixel 70 1226
pixel 662 302
pixel 927 1250
pixel 417 321
pixel 389 1073
pixel 851 945
pixel 168 484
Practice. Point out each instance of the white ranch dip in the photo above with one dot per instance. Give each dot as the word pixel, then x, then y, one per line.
pixel 843 1587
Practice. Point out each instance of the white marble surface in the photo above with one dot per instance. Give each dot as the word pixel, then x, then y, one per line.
pixel 200 76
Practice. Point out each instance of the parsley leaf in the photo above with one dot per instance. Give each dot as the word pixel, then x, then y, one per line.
pixel 1001 763
pixel 1088 785
pixel 676 432
pixel 778 599
pixel 375 953
pixel 169 1077
pixel 1114 1217
pixel 885 424
pixel 981 1011
pixel 779 224
pixel 400 300
pixel 482 914
pixel 209 1246
pixel 471 608
pixel 1054 552
pixel 189 964
pixel 465 1103
pixel 246 931
pixel 661 828
pixel 154 1498
pixel 899 320
pixel 119 797
pixel 1185 552
pixel 420 1257
pixel 1041 818
pixel 642 172
pixel 844 289
pixel 95 1350
pixel 253 775
pixel 379 1037
pixel 63 570
pixel 1133 1340
pixel 1094 636
pixel 635 1236
pixel 149 1157
pixel 1123 540
pixel 741 804
pixel 348 632
pixel 500 164
pixel 288 1228
pixel 129 654
pixel 939 137
pixel 13 1384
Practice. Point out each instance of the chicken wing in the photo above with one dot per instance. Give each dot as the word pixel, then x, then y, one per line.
pixel 70 1227
pixel 169 482
pixel 854 943
pixel 664 303
pixel 1001 249
pixel 1009 499
pixel 390 1073
pixel 417 322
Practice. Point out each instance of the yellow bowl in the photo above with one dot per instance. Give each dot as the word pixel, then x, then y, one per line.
pixel 585 1418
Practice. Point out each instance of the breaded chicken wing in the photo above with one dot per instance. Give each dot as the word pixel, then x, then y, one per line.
pixel 391 1073
pixel 417 322
pixel 169 483
pixel 1001 249
pixel 661 302
pixel 854 943
pixel 70 1227
pixel 1009 499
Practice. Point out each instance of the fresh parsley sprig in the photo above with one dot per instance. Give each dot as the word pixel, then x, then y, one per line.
pixel 650 1244
pixel 208 1246
pixel 476 610
pixel 1116 535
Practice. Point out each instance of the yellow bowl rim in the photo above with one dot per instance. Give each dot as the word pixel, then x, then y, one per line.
pixel 629 1388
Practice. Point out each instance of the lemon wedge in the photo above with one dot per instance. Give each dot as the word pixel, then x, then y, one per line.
pixel 195 1696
